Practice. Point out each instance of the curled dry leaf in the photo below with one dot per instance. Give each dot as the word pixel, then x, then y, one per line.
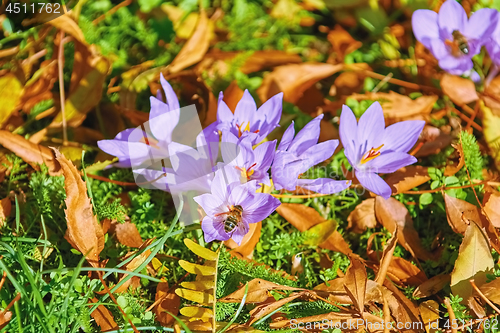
pixel 404 273
pixel 342 42
pixel 385 260
pixel 491 203
pixel 257 292
pixel 355 284
pixel 11 90
pixel 103 317
pixel 67 24
pixel 83 232
pixel 400 107
pixel 265 309
pixel 196 46
pixel 429 310
pixel 474 261
pixel 459 212
pixel 294 80
pixel 128 234
pixel 407 178
pixel 168 301
pixel 5 208
pixel 461 91
pixel 31 153
pixel 362 217
pixel 452 169
pixel 432 286
pixel 304 218
pixel 490 290
pixel 491 128
pixel 391 214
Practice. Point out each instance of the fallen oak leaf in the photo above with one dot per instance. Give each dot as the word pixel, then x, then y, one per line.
pixel 355 284
pixel 168 301
pixel 432 286
pixel 83 232
pixel 362 217
pixel 103 317
pixel 258 290
pixel 407 178
pixel 458 212
pixel 31 153
pixel 491 203
pixel 127 234
pixel 461 91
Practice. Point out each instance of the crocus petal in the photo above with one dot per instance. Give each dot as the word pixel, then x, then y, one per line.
pixel 264 154
pixel 454 65
pixel 390 162
pixel 402 136
pixel 213 229
pixel 258 206
pixel 320 152
pixel 371 127
pixel 162 120
pixel 210 203
pixel 307 137
pixel 272 109
pixel 285 171
pixel 287 137
pixel 348 129
pixel 451 17
pixel 425 26
pixel 224 115
pixel 239 232
pixel 245 109
pixel 324 185
pixel 172 100
pixel 481 24
pixel 240 193
pixel 131 150
pixel 438 48
pixel 220 183
pixel 374 183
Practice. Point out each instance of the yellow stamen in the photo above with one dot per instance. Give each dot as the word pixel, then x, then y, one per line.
pixel 371 154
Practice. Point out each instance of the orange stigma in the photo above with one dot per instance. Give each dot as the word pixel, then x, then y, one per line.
pixel 371 154
pixel 246 129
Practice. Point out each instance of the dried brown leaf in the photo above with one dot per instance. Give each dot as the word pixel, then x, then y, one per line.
pixel 128 234
pixel 407 178
pixel 31 153
pixel 490 290
pixel 355 284
pixel 391 214
pixel 250 240
pixel 84 233
pixel 103 317
pixel 400 107
pixel 461 91
pixel 474 261
pixel 5 208
pixel 362 217
pixel 69 26
pixel 294 80
pixel 263 310
pixel 257 292
pixel 386 259
pixel 458 212
pixel 429 310
pixel 491 203
pixel 432 286
pixel 342 42
pixel 196 46
pixel 453 169
pixel 170 302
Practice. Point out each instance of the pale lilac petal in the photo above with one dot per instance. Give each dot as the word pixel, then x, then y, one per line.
pixel 239 232
pixel 307 137
pixel 245 109
pixel 271 109
pixel 390 162
pixel 324 185
pixel 285 171
pixel 451 17
pixel 481 24
pixel 230 150
pixel 348 129
pixel 131 150
pixel 259 206
pixel 224 115
pixel 374 183
pixel 229 174
pixel 287 137
pixel 220 184
pixel 438 48
pixel 241 193
pixel 371 127
pixel 402 136
pixel 456 66
pixel 125 134
pixel 264 154
pixel 320 152
pixel 425 26
pixel 172 100
pixel 213 229
pixel 162 121
pixel 210 203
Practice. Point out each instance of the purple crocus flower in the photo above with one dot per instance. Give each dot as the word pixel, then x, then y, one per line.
pixel 232 206
pixel 451 37
pixel 132 146
pixel 253 164
pixel 371 148
pixel 247 120
pixel 297 155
